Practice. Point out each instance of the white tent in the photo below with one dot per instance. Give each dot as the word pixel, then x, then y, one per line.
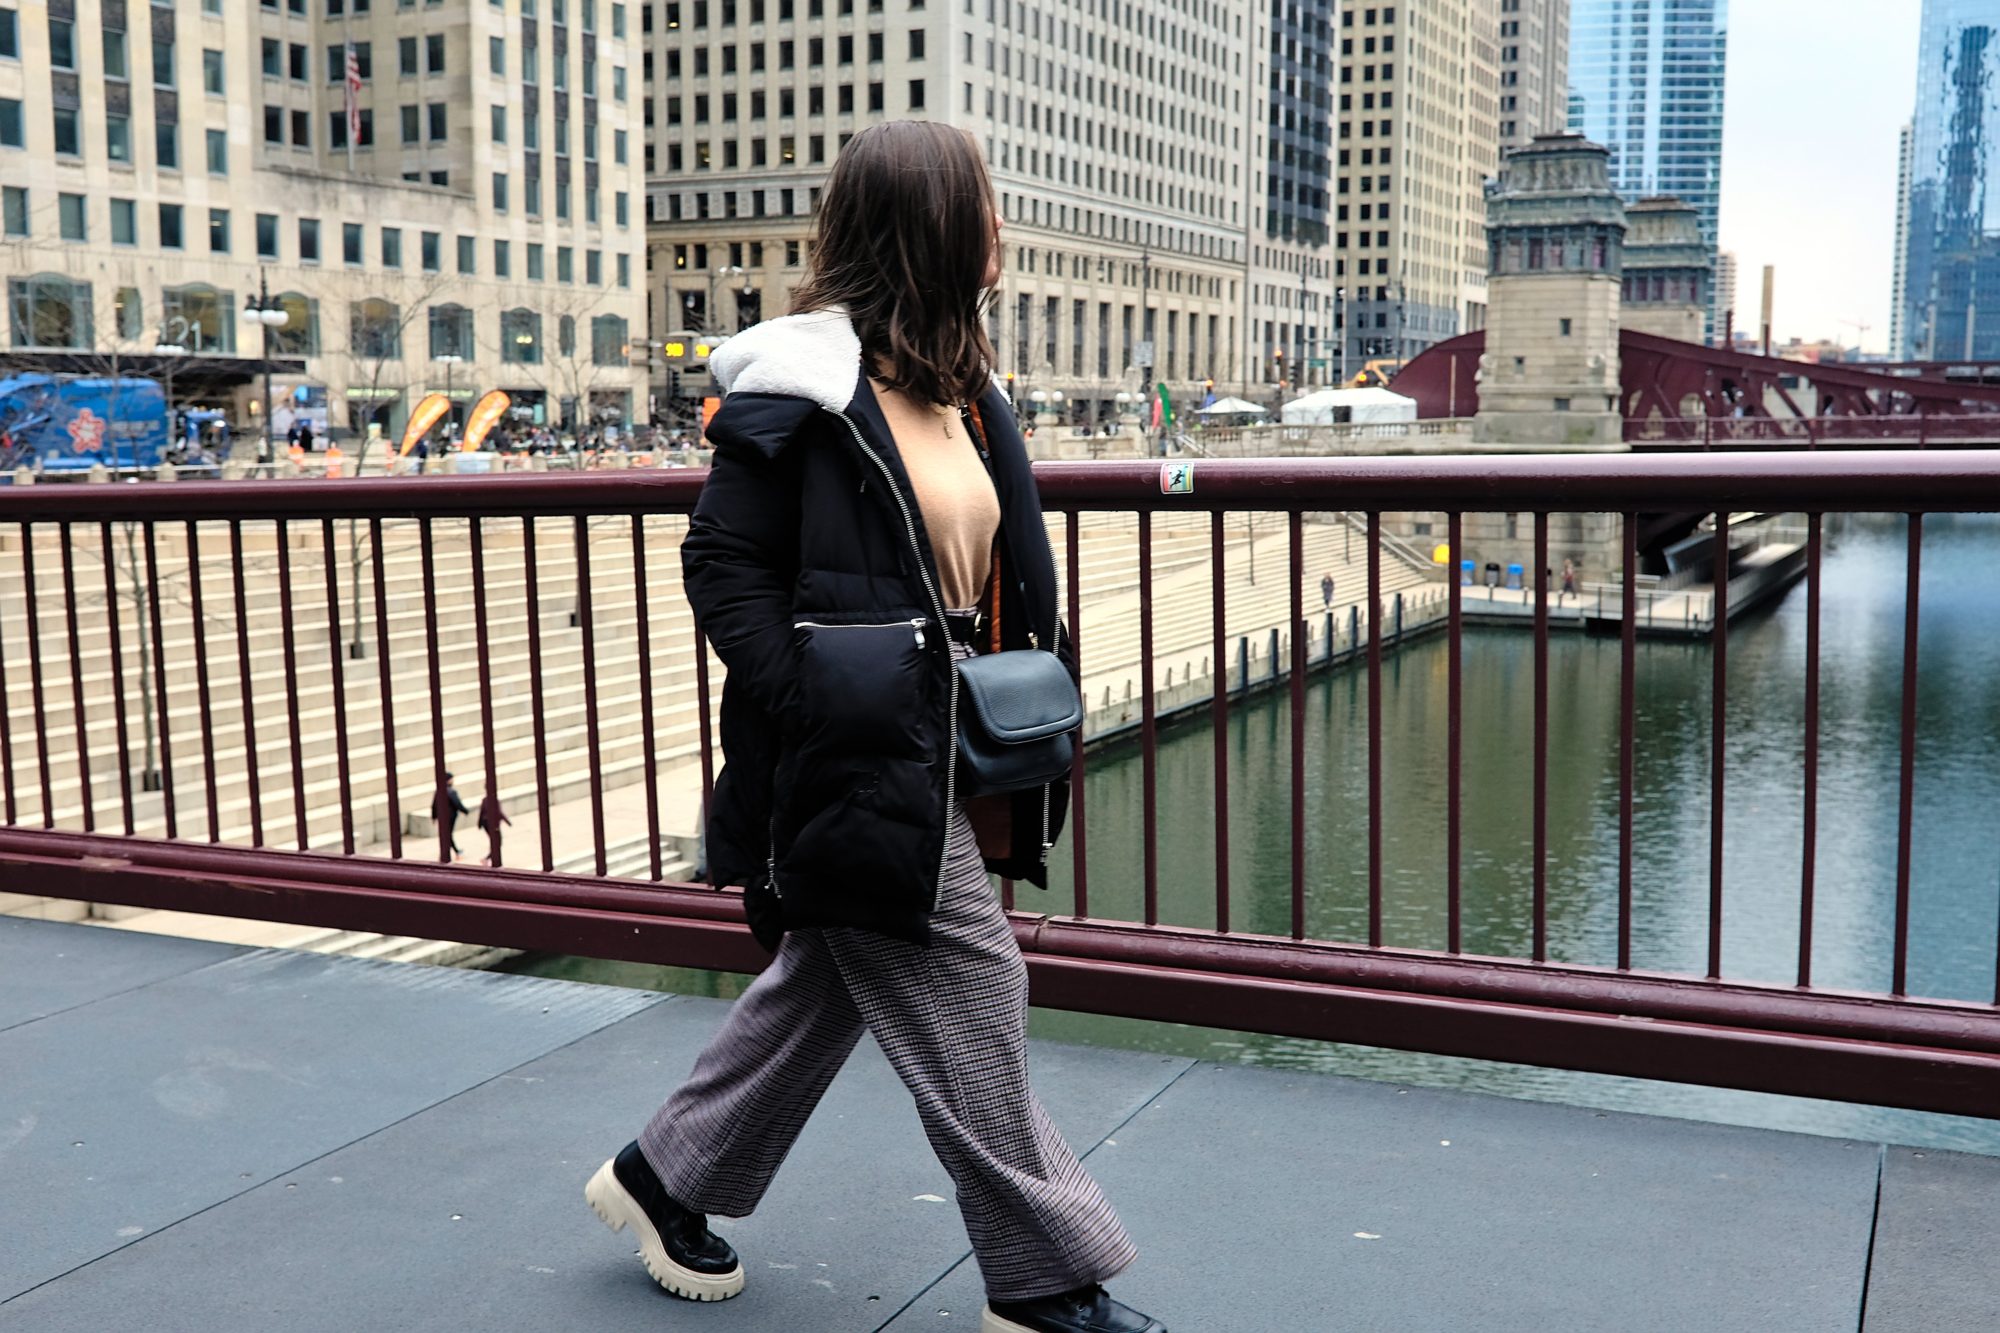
pixel 1231 407
pixel 1325 407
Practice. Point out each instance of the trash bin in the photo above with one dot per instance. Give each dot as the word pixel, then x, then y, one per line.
pixel 1514 576
pixel 1465 573
pixel 1492 574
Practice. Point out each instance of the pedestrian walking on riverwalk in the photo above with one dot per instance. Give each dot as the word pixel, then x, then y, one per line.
pixel 838 808
pixel 491 817
pixel 1569 578
pixel 1326 591
pixel 446 807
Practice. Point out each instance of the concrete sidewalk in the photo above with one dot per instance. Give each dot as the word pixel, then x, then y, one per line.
pixel 200 1136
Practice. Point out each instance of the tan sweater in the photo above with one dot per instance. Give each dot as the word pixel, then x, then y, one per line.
pixel 961 512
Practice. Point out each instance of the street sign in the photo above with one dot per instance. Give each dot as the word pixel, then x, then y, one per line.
pixel 1142 354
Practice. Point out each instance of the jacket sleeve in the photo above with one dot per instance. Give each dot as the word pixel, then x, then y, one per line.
pixel 739 563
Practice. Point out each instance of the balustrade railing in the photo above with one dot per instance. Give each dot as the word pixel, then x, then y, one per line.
pixel 244 698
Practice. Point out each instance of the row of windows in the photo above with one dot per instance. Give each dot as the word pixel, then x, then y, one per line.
pixel 787 54
pixel 66 124
pixel 51 310
pixel 726 11
pixel 729 105
pixel 558 10
pixel 173 224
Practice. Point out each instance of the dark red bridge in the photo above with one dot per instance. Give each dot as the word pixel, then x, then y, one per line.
pixel 1677 395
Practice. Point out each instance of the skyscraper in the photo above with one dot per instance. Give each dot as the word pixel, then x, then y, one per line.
pixel 1534 69
pixel 1645 80
pixel 1410 169
pixel 1949 259
pixel 1899 281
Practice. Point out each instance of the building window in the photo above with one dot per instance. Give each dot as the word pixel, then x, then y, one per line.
pixel 451 331
pixel 124 222
pixel 218 231
pixel 62 44
pixel 468 255
pixel 170 227
pixel 211 72
pixel 608 339
pixel 12 133
pixel 500 191
pixel 207 315
pixel 308 240
pixel 72 217
pixel 10 34
pixel 218 152
pixel 128 315
pixel 49 310
pixel 392 247
pixel 375 329
pixel 502 260
pixel 520 337
pixel 300 334
pixel 351 243
pixel 437 121
pixel 267 236
pixel 69 138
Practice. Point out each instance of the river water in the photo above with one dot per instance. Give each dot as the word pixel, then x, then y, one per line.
pixel 1955 914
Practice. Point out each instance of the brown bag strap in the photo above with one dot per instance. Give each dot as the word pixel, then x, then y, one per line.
pixel 993 575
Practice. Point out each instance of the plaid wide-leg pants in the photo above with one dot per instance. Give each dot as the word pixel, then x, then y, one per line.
pixel 952 1018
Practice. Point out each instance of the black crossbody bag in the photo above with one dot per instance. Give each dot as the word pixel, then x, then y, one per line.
pixel 1016 728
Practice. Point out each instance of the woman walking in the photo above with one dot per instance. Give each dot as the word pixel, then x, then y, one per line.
pixel 870 519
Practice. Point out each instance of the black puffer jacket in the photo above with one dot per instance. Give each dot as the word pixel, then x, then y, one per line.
pixel 810 569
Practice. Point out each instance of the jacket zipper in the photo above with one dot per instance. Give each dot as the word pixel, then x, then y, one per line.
pixel 937 604
pixel 916 623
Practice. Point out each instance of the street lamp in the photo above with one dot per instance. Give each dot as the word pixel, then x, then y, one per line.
pixel 448 360
pixel 1340 317
pixel 260 310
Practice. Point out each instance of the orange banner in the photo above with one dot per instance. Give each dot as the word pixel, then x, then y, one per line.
pixel 486 414
pixel 428 413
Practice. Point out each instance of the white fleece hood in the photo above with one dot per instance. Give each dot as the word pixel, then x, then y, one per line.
pixel 814 356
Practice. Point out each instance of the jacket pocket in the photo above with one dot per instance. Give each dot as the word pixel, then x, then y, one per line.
pixel 863 686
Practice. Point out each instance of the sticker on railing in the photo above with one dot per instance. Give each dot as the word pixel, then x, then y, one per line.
pixel 1177 478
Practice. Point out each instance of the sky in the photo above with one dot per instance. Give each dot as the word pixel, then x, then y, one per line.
pixel 1816 93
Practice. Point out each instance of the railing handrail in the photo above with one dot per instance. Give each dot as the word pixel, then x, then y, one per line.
pixel 1859 481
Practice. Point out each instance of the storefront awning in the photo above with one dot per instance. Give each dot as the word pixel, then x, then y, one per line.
pixel 190 374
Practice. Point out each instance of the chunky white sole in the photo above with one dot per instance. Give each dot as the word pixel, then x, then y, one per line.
pixel 619 1210
pixel 993 1323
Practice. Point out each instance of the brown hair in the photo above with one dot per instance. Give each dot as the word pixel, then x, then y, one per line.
pixel 901 242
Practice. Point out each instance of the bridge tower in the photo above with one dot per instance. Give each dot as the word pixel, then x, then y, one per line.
pixel 1555 234
pixel 1667 273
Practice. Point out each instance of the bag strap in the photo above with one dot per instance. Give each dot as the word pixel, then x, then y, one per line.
pixel 977 428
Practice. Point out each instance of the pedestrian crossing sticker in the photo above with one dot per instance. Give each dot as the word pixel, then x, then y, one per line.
pixel 1177 478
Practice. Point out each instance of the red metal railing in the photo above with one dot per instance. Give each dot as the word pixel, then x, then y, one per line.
pixel 1841 431
pixel 1890 1047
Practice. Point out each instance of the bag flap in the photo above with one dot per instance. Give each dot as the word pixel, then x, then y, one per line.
pixel 1021 696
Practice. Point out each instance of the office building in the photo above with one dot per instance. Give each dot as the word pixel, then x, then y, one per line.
pixel 1899 276
pixel 1534 69
pixel 459 179
pixel 1290 260
pixel 1724 313
pixel 1122 138
pixel 1949 256
pixel 1418 138
pixel 1646 81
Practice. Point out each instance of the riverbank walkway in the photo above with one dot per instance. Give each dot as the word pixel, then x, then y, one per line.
pixel 195 1135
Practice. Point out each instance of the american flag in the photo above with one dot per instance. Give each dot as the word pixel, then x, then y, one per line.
pixel 353 94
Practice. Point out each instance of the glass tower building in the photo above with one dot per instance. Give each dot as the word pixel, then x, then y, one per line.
pixel 1949 226
pixel 1645 80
